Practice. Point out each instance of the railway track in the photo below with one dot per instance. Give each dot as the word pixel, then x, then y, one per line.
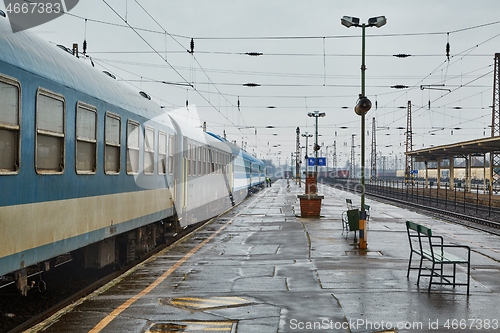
pixel 476 222
pixel 474 216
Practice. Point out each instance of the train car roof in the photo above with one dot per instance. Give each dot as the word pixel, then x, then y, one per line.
pixel 237 150
pixel 28 52
pixel 195 132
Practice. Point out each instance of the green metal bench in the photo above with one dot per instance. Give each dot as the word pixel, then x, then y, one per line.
pixel 431 249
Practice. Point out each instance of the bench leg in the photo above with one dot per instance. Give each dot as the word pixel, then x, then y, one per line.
pixel 454 274
pixel 420 270
pixel 409 265
pixel 468 276
pixel 432 275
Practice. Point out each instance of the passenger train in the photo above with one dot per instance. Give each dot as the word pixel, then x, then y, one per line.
pixel 92 168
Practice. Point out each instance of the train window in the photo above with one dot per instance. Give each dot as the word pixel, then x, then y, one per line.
pixel 86 138
pixel 207 161
pixel 192 157
pixel 188 159
pixel 171 154
pixel 218 163
pixel 162 153
pixel 212 161
pixel 149 151
pixel 202 160
pixel 9 125
pixel 198 157
pixel 132 147
pixel 113 143
pixel 188 153
pixel 50 132
pixel 227 163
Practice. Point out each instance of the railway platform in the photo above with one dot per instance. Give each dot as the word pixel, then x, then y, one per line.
pixel 263 268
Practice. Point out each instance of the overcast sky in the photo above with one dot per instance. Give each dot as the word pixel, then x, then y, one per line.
pixel 309 62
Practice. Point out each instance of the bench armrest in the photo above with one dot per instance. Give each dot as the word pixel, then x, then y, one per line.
pixel 453 246
pixel 438 237
pixel 443 246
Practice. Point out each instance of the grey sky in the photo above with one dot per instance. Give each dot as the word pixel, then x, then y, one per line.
pixel 303 71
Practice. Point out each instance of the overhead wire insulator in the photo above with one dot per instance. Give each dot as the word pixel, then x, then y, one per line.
pixel 254 54
pixel 251 84
pixel 191 45
pixel 402 55
pixel 85 39
pixel 448 47
pixel 399 86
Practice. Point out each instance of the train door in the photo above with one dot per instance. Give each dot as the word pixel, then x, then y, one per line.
pixel 180 177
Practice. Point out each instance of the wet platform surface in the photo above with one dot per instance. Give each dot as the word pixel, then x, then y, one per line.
pixel 261 268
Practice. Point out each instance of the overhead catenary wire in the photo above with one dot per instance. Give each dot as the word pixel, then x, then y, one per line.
pixel 387 96
pixel 172 67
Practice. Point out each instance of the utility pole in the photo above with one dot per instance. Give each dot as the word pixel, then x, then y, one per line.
pixel 298 158
pixel 373 171
pixel 409 145
pixel 495 126
pixel 334 162
pixel 352 168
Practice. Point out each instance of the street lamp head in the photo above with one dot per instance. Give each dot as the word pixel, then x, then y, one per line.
pixel 349 21
pixel 378 21
pixel 316 114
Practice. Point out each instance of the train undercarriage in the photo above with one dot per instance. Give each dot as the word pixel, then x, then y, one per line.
pixel 119 250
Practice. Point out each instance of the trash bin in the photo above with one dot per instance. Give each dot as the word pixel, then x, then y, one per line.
pixel 353 219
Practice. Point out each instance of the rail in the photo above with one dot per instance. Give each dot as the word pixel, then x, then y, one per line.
pixel 471 205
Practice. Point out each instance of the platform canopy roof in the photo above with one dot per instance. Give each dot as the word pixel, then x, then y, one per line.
pixel 459 149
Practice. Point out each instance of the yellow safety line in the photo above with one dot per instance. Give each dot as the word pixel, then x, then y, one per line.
pixel 109 318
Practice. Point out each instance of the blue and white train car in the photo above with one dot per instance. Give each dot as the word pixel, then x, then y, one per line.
pixel 92 168
pixel 248 171
pixel 201 185
pixel 72 141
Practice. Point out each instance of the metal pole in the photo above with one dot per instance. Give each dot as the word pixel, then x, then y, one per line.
pixel 307 144
pixel 362 217
pixel 298 158
pixel 316 150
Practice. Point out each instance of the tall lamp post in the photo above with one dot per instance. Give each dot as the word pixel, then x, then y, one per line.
pixel 310 201
pixel 316 114
pixel 362 107
pixel 307 136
